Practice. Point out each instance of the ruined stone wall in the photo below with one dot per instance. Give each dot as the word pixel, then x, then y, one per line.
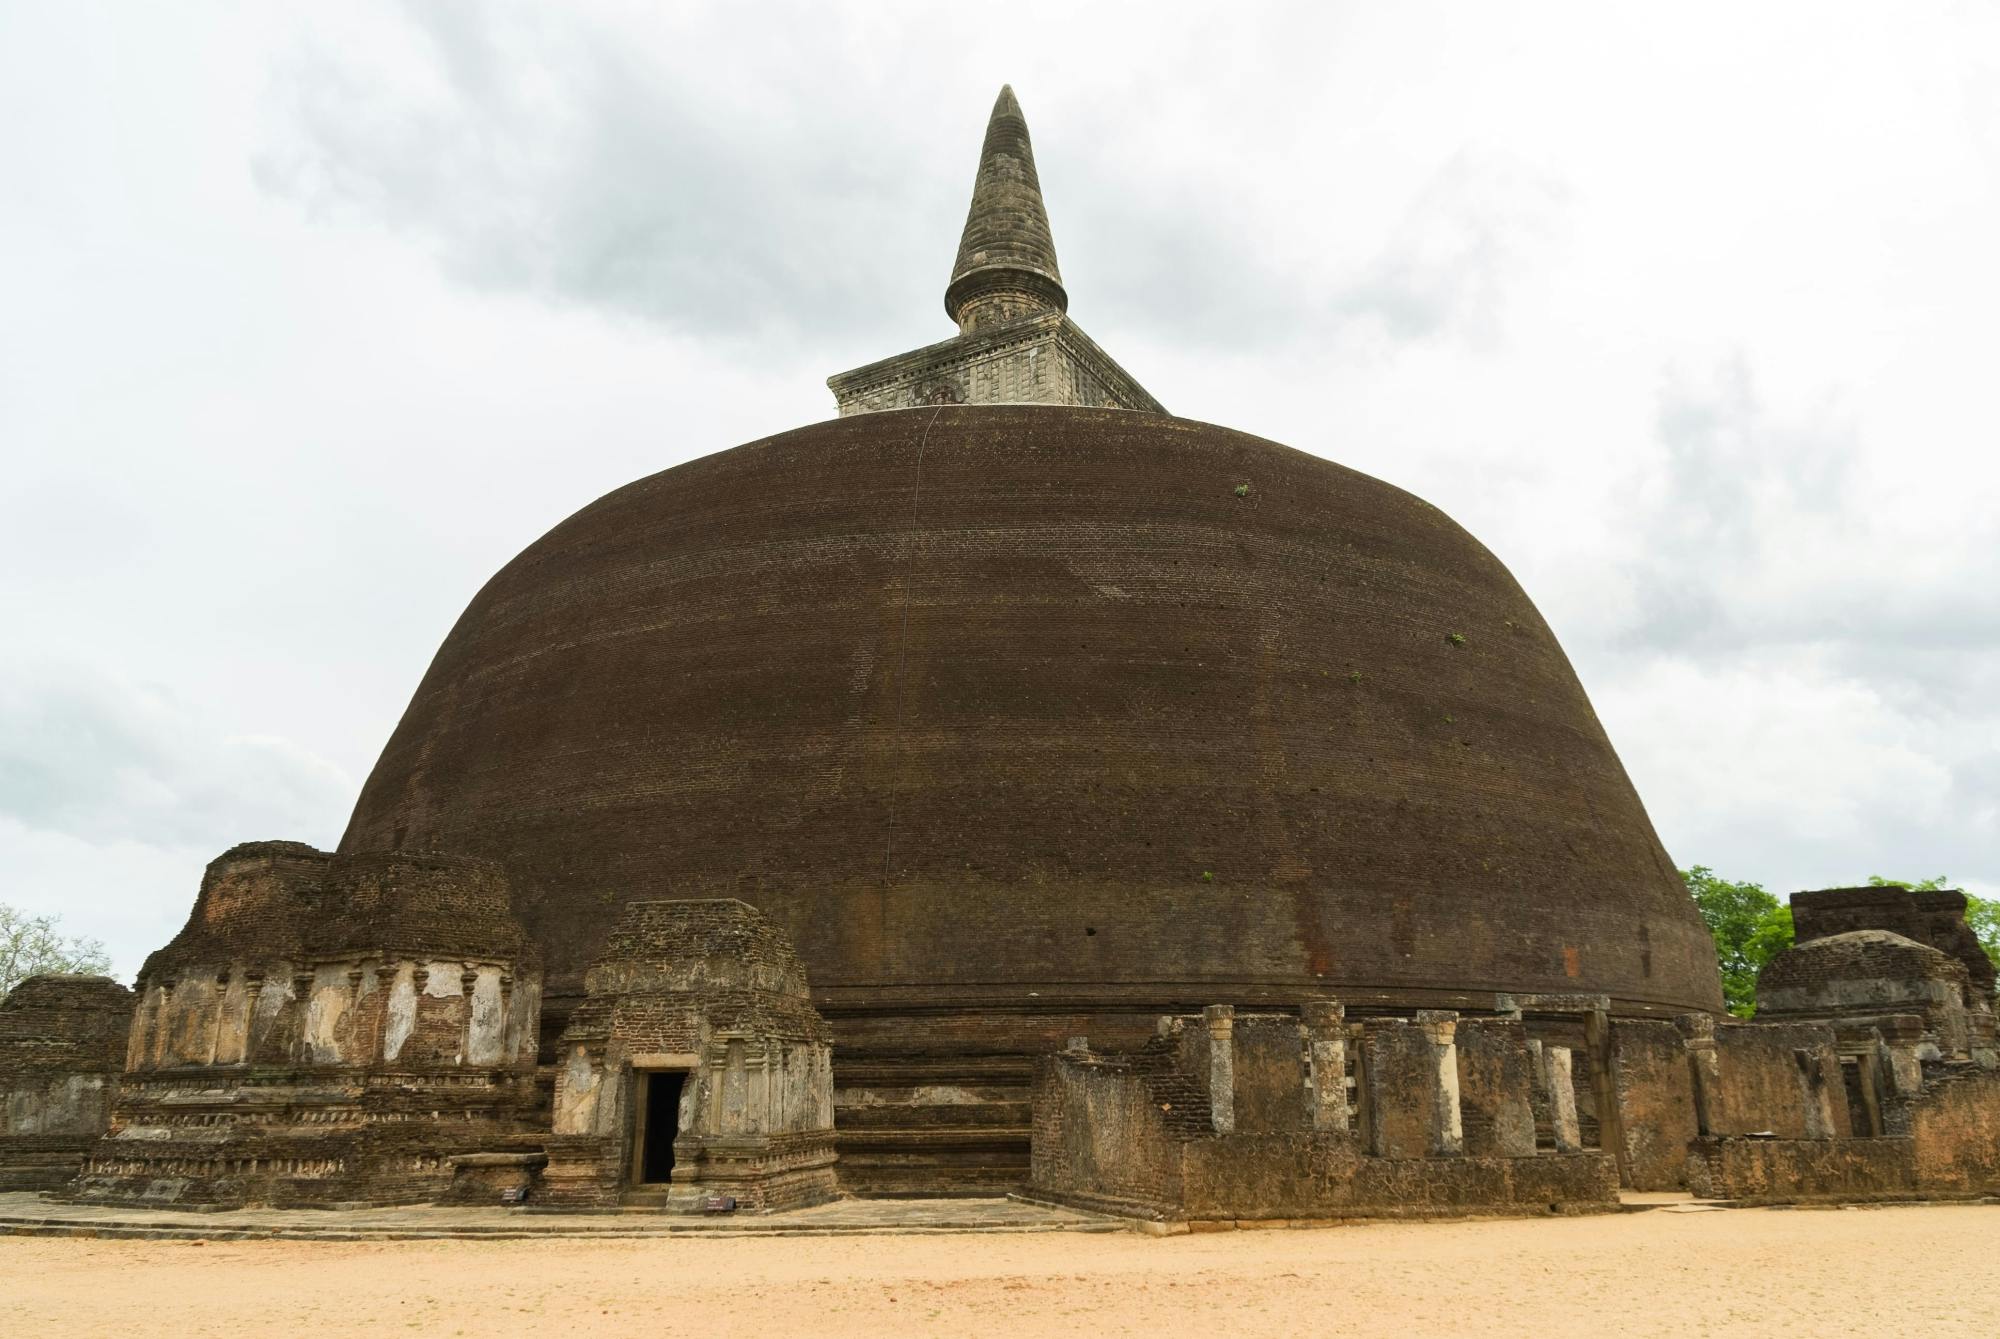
pixel 1783 1171
pixel 1955 1132
pixel 1101 1133
pixel 1399 1082
pixel 1764 1086
pixel 1153 1133
pixel 1496 1086
pixel 1306 1176
pixel 1269 1074
pixel 1654 1088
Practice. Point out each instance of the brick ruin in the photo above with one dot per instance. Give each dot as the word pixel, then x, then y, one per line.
pixel 335 1030
pixel 326 1030
pixel 1233 1117
pixel 62 1052
pixel 1868 1074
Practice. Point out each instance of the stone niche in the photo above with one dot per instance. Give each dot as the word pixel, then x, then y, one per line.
pixel 62 1047
pixel 696 1071
pixel 327 1029
pixel 1231 1117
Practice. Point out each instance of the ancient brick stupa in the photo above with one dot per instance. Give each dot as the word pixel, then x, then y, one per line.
pixel 1002 761
pixel 1025 710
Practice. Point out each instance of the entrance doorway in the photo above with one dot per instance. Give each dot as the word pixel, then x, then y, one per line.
pixel 659 1121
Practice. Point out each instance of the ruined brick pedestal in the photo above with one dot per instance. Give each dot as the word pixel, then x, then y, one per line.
pixel 326 1030
pixel 62 1046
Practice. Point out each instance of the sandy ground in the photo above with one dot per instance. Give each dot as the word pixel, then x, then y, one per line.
pixel 1875 1272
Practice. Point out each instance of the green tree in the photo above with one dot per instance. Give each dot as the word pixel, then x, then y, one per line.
pixel 1750 927
pixel 33 944
pixel 1982 914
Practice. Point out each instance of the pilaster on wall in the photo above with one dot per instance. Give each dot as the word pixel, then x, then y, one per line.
pixel 1221 1022
pixel 1325 1024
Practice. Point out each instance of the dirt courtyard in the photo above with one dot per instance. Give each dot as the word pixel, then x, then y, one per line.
pixel 1903 1271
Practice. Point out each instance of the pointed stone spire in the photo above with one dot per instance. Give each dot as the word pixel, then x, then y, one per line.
pixel 1007 259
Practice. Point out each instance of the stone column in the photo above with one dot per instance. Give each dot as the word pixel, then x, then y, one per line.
pixel 468 986
pixel 756 1088
pixel 1447 1134
pixel 1604 1088
pixel 302 992
pixel 1221 1019
pixel 1558 1075
pixel 733 1084
pixel 1698 1031
pixel 507 1034
pixel 385 991
pixel 1326 1059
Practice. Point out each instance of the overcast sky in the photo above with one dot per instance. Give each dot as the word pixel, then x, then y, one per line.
pixel 312 317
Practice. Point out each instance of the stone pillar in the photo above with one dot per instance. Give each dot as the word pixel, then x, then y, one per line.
pixel 734 1082
pixel 1447 1134
pixel 1221 1020
pixel 468 986
pixel 756 1088
pixel 1604 1090
pixel 1698 1031
pixel 1558 1077
pixel 1326 1059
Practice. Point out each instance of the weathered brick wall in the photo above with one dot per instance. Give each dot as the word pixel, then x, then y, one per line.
pixel 1101 1133
pixel 1270 1073
pixel 256 902
pixel 1955 1130
pixel 1495 1088
pixel 1399 1076
pixel 1654 1088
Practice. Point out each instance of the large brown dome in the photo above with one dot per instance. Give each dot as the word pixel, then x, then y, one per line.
pixel 1027 710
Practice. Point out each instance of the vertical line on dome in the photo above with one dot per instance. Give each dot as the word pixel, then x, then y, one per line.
pixel 903 637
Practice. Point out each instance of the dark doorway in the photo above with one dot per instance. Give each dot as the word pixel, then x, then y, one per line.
pixel 662 1116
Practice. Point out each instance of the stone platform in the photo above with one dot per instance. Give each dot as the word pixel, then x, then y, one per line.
pixel 34 1215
